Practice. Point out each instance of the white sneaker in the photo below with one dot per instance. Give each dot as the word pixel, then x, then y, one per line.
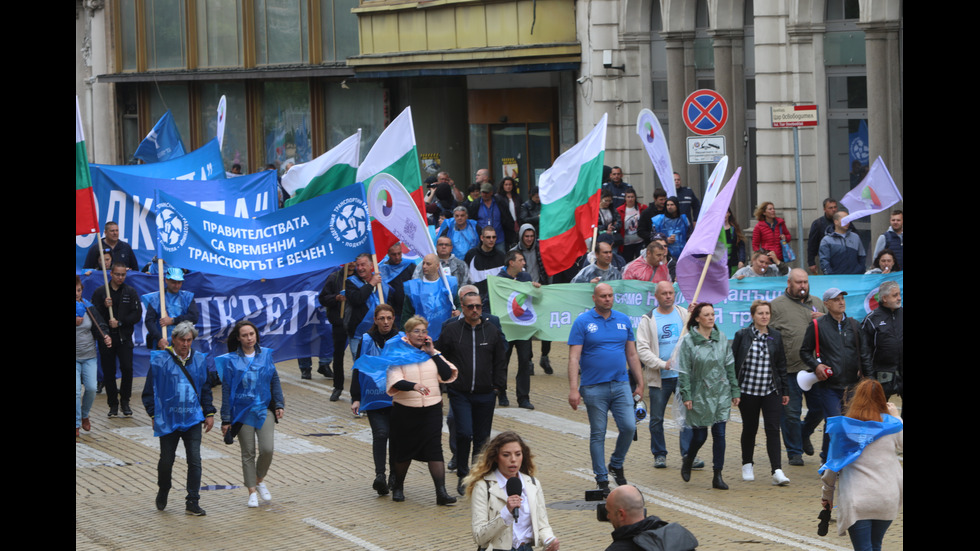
pixel 779 479
pixel 263 491
pixel 253 499
pixel 747 474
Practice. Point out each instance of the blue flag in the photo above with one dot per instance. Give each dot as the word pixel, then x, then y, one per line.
pixel 162 143
pixel 849 437
pixel 323 232
pixel 374 370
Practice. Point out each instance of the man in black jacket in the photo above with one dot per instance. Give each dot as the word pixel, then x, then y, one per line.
pixel 883 333
pixel 839 356
pixel 476 348
pixel 332 297
pixel 818 229
pixel 126 310
pixel 633 531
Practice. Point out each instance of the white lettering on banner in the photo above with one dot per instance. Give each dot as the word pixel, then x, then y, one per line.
pixel 749 295
pixel 188 176
pixel 234 263
pixel 272 313
pixel 635 320
pixel 116 211
pixel 140 227
pixel 651 299
pixel 245 249
pixel 560 318
pixel 306 255
pixel 632 299
pixel 741 318
pixel 213 206
pixel 256 233
pixel 225 318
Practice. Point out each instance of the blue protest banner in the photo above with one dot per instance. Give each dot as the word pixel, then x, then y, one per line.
pixel 162 143
pixel 201 164
pixel 128 199
pixel 286 312
pixel 317 234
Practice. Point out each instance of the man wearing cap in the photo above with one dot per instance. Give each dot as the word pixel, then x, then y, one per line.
pixel 180 307
pixel 792 313
pixel 834 349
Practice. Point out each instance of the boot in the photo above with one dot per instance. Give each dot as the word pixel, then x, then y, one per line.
pixel 686 467
pixel 397 491
pixel 717 482
pixel 442 496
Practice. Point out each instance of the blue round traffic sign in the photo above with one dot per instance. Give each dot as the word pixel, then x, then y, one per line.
pixel 705 112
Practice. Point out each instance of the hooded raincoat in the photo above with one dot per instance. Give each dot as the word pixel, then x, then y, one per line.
pixel 706 376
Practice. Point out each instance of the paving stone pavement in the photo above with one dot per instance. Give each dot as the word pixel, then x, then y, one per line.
pixel 322 473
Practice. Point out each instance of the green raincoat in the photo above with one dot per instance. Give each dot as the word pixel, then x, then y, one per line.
pixel 706 376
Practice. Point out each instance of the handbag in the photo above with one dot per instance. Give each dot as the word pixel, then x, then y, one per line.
pixel 788 254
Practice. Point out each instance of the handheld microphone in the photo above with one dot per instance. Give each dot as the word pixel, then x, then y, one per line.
pixel 514 488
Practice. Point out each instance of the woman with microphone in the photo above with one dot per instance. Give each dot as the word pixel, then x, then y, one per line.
pixel 508 510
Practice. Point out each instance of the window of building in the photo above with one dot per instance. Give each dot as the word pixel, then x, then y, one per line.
pixel 339 27
pixel 286 121
pixel 234 147
pixel 281 33
pixel 219 34
pixel 352 105
pixel 165 27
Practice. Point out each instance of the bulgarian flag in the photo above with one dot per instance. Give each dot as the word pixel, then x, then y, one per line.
pixel 331 171
pixel 395 154
pixel 86 217
pixel 570 200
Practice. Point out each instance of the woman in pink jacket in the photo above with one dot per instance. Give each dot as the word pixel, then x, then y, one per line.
pixel 769 230
pixel 416 417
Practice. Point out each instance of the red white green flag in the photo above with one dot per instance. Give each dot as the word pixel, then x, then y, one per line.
pixel 86 217
pixel 570 200
pixel 394 153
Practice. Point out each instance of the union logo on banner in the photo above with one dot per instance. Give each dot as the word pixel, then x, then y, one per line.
pixel 172 228
pixel 349 222
pixel 520 310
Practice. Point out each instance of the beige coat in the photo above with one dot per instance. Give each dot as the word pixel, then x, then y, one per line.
pixel 425 373
pixel 648 345
pixel 489 529
pixel 871 487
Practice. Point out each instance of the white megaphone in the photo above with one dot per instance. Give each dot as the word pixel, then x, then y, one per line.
pixel 806 380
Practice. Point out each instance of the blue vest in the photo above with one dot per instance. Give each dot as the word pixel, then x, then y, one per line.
pixel 368 320
pixel 431 301
pixel 250 384
pixel 893 241
pixel 176 402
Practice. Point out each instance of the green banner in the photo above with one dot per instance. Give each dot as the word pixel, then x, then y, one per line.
pixel 549 311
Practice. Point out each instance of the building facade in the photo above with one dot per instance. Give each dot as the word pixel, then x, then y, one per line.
pixel 506 84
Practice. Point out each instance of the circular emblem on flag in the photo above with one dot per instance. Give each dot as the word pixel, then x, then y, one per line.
pixel 649 133
pixel 592 328
pixel 384 200
pixel 705 112
pixel 871 300
pixel 349 222
pixel 172 228
pixel 520 310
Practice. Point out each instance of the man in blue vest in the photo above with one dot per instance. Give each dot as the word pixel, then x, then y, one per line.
pixel 893 238
pixel 177 397
pixel 362 297
pixel 180 307
pixel 428 296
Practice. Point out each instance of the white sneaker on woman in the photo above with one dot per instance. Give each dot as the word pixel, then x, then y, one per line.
pixel 253 499
pixel 747 474
pixel 779 478
pixel 263 491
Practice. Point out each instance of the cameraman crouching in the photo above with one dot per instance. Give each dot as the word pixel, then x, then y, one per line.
pixel 633 531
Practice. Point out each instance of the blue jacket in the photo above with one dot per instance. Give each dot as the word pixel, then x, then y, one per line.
pixel 842 254
pixel 232 362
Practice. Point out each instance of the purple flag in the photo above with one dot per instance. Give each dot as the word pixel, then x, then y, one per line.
pixel 875 193
pixel 704 241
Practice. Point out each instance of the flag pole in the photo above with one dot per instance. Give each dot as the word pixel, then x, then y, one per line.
pixel 704 272
pixel 105 276
pixel 381 296
pixel 343 288
pixel 595 235
pixel 163 298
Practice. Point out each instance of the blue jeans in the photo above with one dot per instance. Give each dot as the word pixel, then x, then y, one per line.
pixel 85 371
pixel 600 399
pixel 795 431
pixel 866 535
pixel 830 401
pixel 168 451
pixel 658 405
pixel 700 436
pixel 473 415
